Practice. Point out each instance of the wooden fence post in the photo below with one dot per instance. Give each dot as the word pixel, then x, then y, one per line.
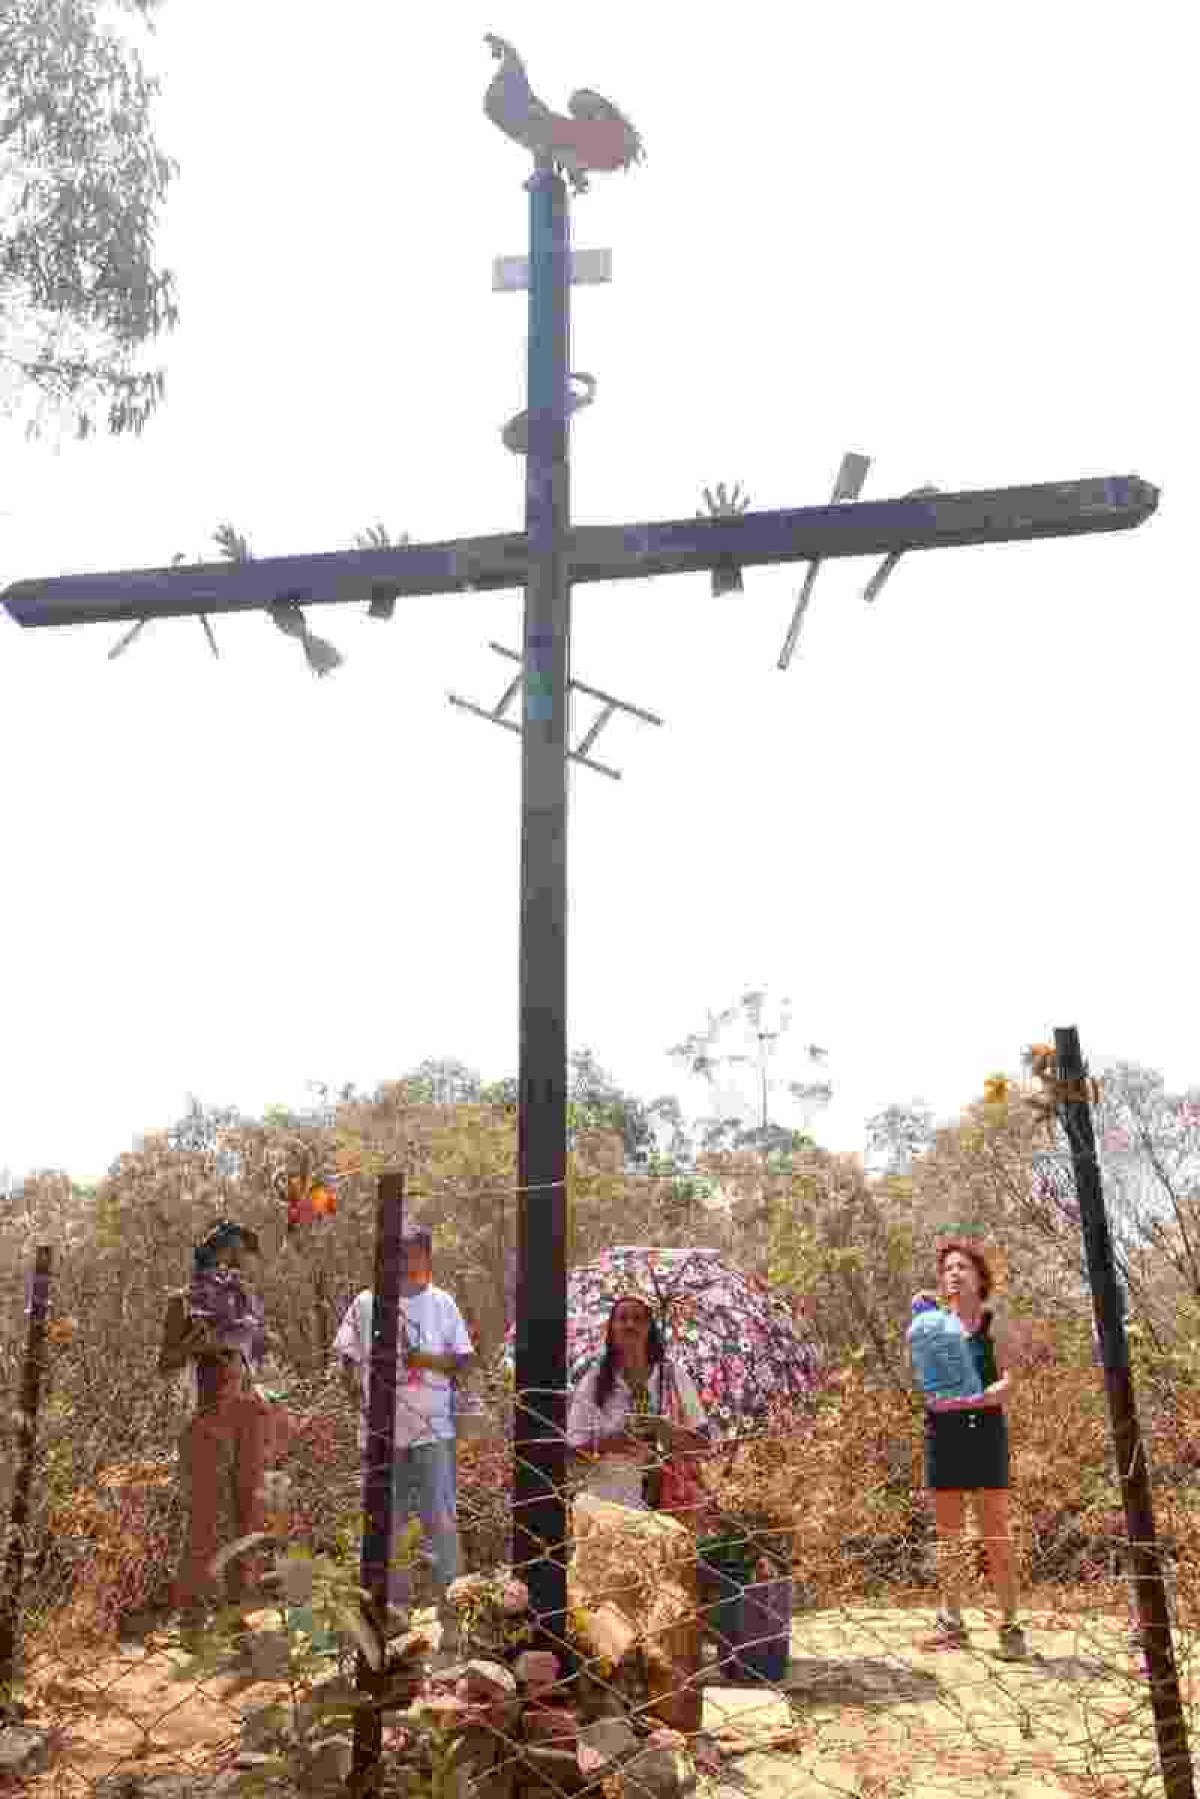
pixel 377 1474
pixel 30 1402
pixel 1133 1470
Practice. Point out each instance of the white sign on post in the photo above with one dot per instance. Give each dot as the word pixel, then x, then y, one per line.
pixel 510 274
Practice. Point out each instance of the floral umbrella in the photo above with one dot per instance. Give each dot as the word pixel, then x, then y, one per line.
pixel 737 1340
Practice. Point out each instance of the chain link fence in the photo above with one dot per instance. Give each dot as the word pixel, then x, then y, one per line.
pixel 773 1643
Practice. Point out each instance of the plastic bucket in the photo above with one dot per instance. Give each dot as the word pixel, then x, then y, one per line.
pixel 723 1615
pixel 766 1629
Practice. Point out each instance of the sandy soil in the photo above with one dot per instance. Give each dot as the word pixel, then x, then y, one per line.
pixel 875 1715
pixel 869 1712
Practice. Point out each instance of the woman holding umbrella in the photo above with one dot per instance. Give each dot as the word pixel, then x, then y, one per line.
pixel 629 1401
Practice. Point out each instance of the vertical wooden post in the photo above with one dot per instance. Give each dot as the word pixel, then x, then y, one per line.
pixel 1133 1470
pixel 539 1511
pixel 321 1311
pixel 377 1470
pixel 18 1525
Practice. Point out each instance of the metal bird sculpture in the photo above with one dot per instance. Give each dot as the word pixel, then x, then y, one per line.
pixel 515 435
pixel 594 137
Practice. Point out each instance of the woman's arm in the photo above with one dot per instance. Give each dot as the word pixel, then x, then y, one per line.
pixel 996 1396
pixel 686 1441
pixel 618 1444
pixel 992 1398
pixel 437 1364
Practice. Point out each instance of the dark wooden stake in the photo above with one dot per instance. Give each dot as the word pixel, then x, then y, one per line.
pixel 18 1524
pixel 1133 1470
pixel 377 1474
pixel 321 1311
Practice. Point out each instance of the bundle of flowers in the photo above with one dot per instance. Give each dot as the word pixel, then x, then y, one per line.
pixel 492 1611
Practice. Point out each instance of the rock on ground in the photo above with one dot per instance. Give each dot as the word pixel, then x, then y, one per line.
pixel 23 1751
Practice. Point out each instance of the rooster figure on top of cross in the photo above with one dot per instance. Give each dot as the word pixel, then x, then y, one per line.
pixel 594 137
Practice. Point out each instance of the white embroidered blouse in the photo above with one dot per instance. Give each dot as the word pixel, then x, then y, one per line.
pixel 618 1479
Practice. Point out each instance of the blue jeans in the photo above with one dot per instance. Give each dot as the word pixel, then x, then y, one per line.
pixel 425 1486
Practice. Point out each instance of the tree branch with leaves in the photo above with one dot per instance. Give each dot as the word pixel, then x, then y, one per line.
pixel 82 185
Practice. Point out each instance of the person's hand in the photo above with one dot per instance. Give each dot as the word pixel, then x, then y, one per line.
pixel 649 1429
pixel 198 1336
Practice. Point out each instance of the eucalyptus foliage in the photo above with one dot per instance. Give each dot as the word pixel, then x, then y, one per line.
pixel 82 182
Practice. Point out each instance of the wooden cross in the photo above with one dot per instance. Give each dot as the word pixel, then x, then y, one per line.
pixel 547 559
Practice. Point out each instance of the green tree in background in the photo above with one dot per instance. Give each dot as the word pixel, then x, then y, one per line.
pixel 82 182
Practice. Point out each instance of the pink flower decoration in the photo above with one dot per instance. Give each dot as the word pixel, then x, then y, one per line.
pixel 538 1668
pixel 443 1708
pixel 514 1597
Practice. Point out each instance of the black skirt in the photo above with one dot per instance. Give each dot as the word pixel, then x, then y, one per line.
pixel 966 1450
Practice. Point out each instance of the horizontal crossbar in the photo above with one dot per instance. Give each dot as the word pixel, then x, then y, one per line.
pixel 510 274
pixel 595 552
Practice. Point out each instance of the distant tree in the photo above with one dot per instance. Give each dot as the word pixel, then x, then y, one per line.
pixel 1149 1149
pixel 596 1102
pixel 733 1056
pixel 501 1093
pixel 82 182
pixel 998 1170
pixel 442 1081
pixel 835 1243
pixel 899 1133
pixel 201 1132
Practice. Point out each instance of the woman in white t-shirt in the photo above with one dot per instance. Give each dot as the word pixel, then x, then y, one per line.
pixel 628 1401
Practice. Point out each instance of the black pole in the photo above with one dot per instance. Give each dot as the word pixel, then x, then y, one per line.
pixel 539 1447
pixel 377 1471
pixel 18 1518
pixel 1133 1470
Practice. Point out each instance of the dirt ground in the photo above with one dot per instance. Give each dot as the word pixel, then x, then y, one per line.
pixel 875 1715
pixel 869 1712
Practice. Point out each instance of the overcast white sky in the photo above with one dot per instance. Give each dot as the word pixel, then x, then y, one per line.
pixel 954 238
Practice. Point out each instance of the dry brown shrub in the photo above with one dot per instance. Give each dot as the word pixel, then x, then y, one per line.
pixel 845 1480
pixel 844 1476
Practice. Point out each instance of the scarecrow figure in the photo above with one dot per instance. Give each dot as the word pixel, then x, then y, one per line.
pixel 214 1335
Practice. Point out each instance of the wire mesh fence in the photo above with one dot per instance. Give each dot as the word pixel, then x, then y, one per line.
pixel 778 1639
